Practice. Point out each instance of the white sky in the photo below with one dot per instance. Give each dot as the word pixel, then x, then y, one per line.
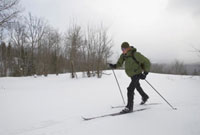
pixel 163 30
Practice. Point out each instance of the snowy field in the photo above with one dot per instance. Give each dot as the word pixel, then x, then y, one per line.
pixel 54 105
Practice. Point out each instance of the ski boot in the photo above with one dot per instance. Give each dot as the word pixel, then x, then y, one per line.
pixel 144 100
pixel 127 110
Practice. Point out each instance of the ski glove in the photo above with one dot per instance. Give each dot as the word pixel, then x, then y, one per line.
pixel 143 75
pixel 113 66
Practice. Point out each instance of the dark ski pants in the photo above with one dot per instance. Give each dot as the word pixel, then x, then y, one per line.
pixel 130 90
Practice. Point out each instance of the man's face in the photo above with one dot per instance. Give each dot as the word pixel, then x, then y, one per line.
pixel 124 50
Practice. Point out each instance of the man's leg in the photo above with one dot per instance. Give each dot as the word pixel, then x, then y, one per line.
pixel 130 92
pixel 141 92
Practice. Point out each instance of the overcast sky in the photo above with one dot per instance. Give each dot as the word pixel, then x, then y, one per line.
pixel 163 30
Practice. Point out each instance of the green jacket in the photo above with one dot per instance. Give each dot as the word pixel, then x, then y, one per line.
pixel 131 66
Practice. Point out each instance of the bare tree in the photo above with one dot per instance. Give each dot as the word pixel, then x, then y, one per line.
pixel 103 50
pixel 56 39
pixel 19 41
pixel 9 9
pixel 49 51
pixel 98 49
pixel 89 43
pixel 35 31
pixel 73 41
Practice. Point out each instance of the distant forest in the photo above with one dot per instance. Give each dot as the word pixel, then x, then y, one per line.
pixel 176 67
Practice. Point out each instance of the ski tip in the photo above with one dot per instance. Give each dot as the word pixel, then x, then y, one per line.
pixel 119 106
pixel 85 119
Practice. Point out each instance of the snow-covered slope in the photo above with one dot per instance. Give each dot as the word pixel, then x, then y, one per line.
pixel 54 105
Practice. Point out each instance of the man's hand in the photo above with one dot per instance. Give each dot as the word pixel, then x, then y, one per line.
pixel 113 66
pixel 143 75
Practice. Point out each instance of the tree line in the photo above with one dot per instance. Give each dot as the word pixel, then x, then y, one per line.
pixel 29 46
pixel 177 67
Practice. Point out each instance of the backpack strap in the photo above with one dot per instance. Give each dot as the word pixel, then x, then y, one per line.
pixel 133 57
pixel 132 54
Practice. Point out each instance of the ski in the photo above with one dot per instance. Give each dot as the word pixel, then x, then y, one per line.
pixel 146 104
pixel 112 114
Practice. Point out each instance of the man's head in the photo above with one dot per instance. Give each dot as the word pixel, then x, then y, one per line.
pixel 125 47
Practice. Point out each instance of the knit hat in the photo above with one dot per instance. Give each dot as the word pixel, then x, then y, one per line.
pixel 125 45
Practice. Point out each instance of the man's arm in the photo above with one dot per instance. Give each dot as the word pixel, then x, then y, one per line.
pixel 120 61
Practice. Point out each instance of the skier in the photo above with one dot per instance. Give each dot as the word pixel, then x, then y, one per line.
pixel 137 67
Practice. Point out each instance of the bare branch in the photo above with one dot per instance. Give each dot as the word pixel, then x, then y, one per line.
pixel 9 9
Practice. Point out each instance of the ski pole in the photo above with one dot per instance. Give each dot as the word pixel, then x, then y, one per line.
pixel 118 86
pixel 161 96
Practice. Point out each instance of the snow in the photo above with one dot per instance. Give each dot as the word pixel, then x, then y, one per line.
pixel 54 105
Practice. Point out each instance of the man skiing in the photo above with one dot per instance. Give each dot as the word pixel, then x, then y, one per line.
pixel 137 67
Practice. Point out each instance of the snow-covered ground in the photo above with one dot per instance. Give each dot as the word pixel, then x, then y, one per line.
pixel 54 105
